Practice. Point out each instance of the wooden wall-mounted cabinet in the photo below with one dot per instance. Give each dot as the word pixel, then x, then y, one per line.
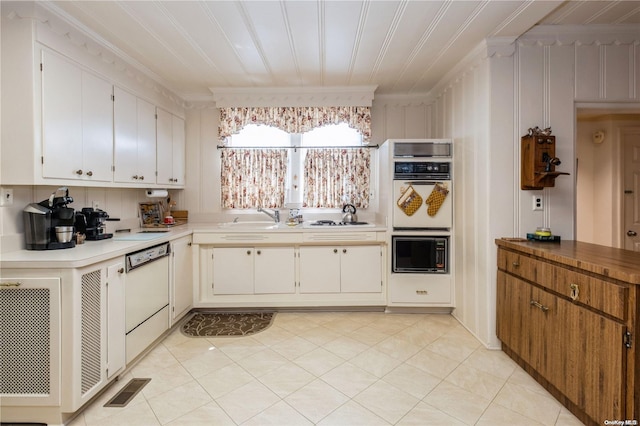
pixel 539 161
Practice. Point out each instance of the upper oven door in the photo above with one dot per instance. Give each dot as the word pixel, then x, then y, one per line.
pixel 411 211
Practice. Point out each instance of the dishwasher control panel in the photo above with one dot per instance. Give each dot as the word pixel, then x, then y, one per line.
pixel 139 258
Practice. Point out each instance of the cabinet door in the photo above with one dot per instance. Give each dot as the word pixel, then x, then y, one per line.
pixel 164 140
pixel 513 323
pixel 274 270
pixel 146 113
pixel 115 319
pixel 179 151
pixel 319 270
pixel 126 136
pixel 61 117
pixel 361 269
pixel 31 367
pixel 233 270
pixel 97 129
pixel 591 370
pixel 182 278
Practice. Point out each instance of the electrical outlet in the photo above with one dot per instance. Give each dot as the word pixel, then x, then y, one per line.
pixel 538 206
pixel 7 197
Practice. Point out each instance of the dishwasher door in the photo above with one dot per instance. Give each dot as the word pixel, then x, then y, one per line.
pixel 147 292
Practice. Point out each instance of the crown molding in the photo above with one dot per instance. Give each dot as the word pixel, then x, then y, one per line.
pixel 293 96
pixel 581 34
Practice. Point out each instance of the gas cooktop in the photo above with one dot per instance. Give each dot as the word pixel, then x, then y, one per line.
pixel 334 223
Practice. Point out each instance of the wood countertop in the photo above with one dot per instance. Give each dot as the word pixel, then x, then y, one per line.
pixel 619 264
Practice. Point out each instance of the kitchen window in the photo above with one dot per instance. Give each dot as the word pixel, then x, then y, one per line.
pixel 263 166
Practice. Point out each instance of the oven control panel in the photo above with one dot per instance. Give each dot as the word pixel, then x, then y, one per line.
pixel 422 170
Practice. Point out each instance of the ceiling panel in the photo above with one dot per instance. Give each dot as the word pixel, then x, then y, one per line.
pixel 402 46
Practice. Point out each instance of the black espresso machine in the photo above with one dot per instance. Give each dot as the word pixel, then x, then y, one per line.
pixel 48 225
pixel 91 222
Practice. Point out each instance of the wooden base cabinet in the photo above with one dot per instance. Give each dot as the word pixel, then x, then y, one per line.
pixel 548 321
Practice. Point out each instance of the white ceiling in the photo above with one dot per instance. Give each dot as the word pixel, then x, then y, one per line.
pixel 400 46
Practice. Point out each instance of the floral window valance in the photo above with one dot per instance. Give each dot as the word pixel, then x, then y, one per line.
pixel 295 119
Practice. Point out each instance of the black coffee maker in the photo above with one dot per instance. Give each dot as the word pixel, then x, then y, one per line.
pixel 48 225
pixel 90 222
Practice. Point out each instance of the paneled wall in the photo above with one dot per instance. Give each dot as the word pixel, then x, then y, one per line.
pixel 491 99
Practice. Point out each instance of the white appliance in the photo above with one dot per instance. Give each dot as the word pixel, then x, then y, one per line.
pixel 422 195
pixel 146 298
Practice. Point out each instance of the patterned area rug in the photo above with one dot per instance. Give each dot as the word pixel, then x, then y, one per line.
pixel 219 324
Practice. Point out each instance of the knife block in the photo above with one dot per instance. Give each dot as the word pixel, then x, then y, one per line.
pixel 538 166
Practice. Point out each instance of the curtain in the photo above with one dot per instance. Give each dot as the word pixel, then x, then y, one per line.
pixel 294 119
pixel 253 178
pixel 337 176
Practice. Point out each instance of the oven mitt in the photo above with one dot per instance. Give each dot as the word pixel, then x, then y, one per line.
pixel 410 201
pixel 436 198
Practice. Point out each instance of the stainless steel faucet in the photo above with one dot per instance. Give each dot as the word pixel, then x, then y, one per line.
pixel 275 215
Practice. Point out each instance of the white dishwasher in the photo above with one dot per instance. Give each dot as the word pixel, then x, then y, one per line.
pixel 146 297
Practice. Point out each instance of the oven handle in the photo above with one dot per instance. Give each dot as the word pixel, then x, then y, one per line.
pixel 423 182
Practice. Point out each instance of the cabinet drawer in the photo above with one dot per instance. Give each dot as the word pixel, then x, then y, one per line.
pixel 601 295
pixel 420 289
pixel 523 266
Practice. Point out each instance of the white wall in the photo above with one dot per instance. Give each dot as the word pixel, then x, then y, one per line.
pixel 599 178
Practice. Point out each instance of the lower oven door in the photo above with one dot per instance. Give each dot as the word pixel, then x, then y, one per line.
pixel 411 210
pixel 420 255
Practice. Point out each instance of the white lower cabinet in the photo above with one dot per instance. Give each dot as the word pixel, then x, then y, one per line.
pixel 181 280
pixel 251 270
pixel 341 269
pixel 63 339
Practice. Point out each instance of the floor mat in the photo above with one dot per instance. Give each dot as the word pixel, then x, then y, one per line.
pixel 219 324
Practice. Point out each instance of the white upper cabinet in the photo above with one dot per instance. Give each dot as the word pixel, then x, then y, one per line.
pixel 77 117
pixel 171 149
pixel 134 139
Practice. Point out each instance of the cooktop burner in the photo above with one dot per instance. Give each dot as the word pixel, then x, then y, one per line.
pixel 334 223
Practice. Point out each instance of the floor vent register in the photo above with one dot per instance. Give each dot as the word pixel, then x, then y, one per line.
pixel 127 393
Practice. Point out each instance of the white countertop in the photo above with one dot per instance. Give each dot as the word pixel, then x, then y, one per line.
pixel 92 252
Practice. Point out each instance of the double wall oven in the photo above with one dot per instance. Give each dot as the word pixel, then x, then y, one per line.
pixel 422 214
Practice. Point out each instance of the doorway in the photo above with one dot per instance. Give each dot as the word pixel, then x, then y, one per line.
pixel 602 206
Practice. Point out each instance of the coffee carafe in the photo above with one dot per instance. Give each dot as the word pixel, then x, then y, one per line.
pixel 49 224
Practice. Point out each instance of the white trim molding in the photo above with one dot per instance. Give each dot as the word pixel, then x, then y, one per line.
pixel 293 96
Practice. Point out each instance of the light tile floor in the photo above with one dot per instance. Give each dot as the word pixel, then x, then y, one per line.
pixel 355 368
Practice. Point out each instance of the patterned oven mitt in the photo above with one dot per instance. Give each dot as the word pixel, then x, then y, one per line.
pixel 410 201
pixel 436 198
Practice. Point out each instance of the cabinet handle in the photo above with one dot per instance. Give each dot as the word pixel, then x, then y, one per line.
pixel 121 271
pixel 248 251
pixel 11 284
pixel 575 291
pixel 344 250
pixel 79 172
pixel 516 264
pixel 539 305
pixel 259 252
pixel 89 173
pixel 335 250
pixel 422 292
pixel 141 177
pixel 135 177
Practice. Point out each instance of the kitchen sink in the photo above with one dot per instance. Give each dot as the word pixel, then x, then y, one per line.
pixel 260 224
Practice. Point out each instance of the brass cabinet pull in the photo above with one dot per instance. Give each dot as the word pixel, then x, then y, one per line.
pixel 121 271
pixel 539 305
pixel 344 250
pixel 259 252
pixel 79 172
pixel 516 264
pixel 248 251
pixel 89 173
pixel 422 292
pixel 134 177
pixel 11 284
pixel 335 250
pixel 141 177
pixel 575 291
